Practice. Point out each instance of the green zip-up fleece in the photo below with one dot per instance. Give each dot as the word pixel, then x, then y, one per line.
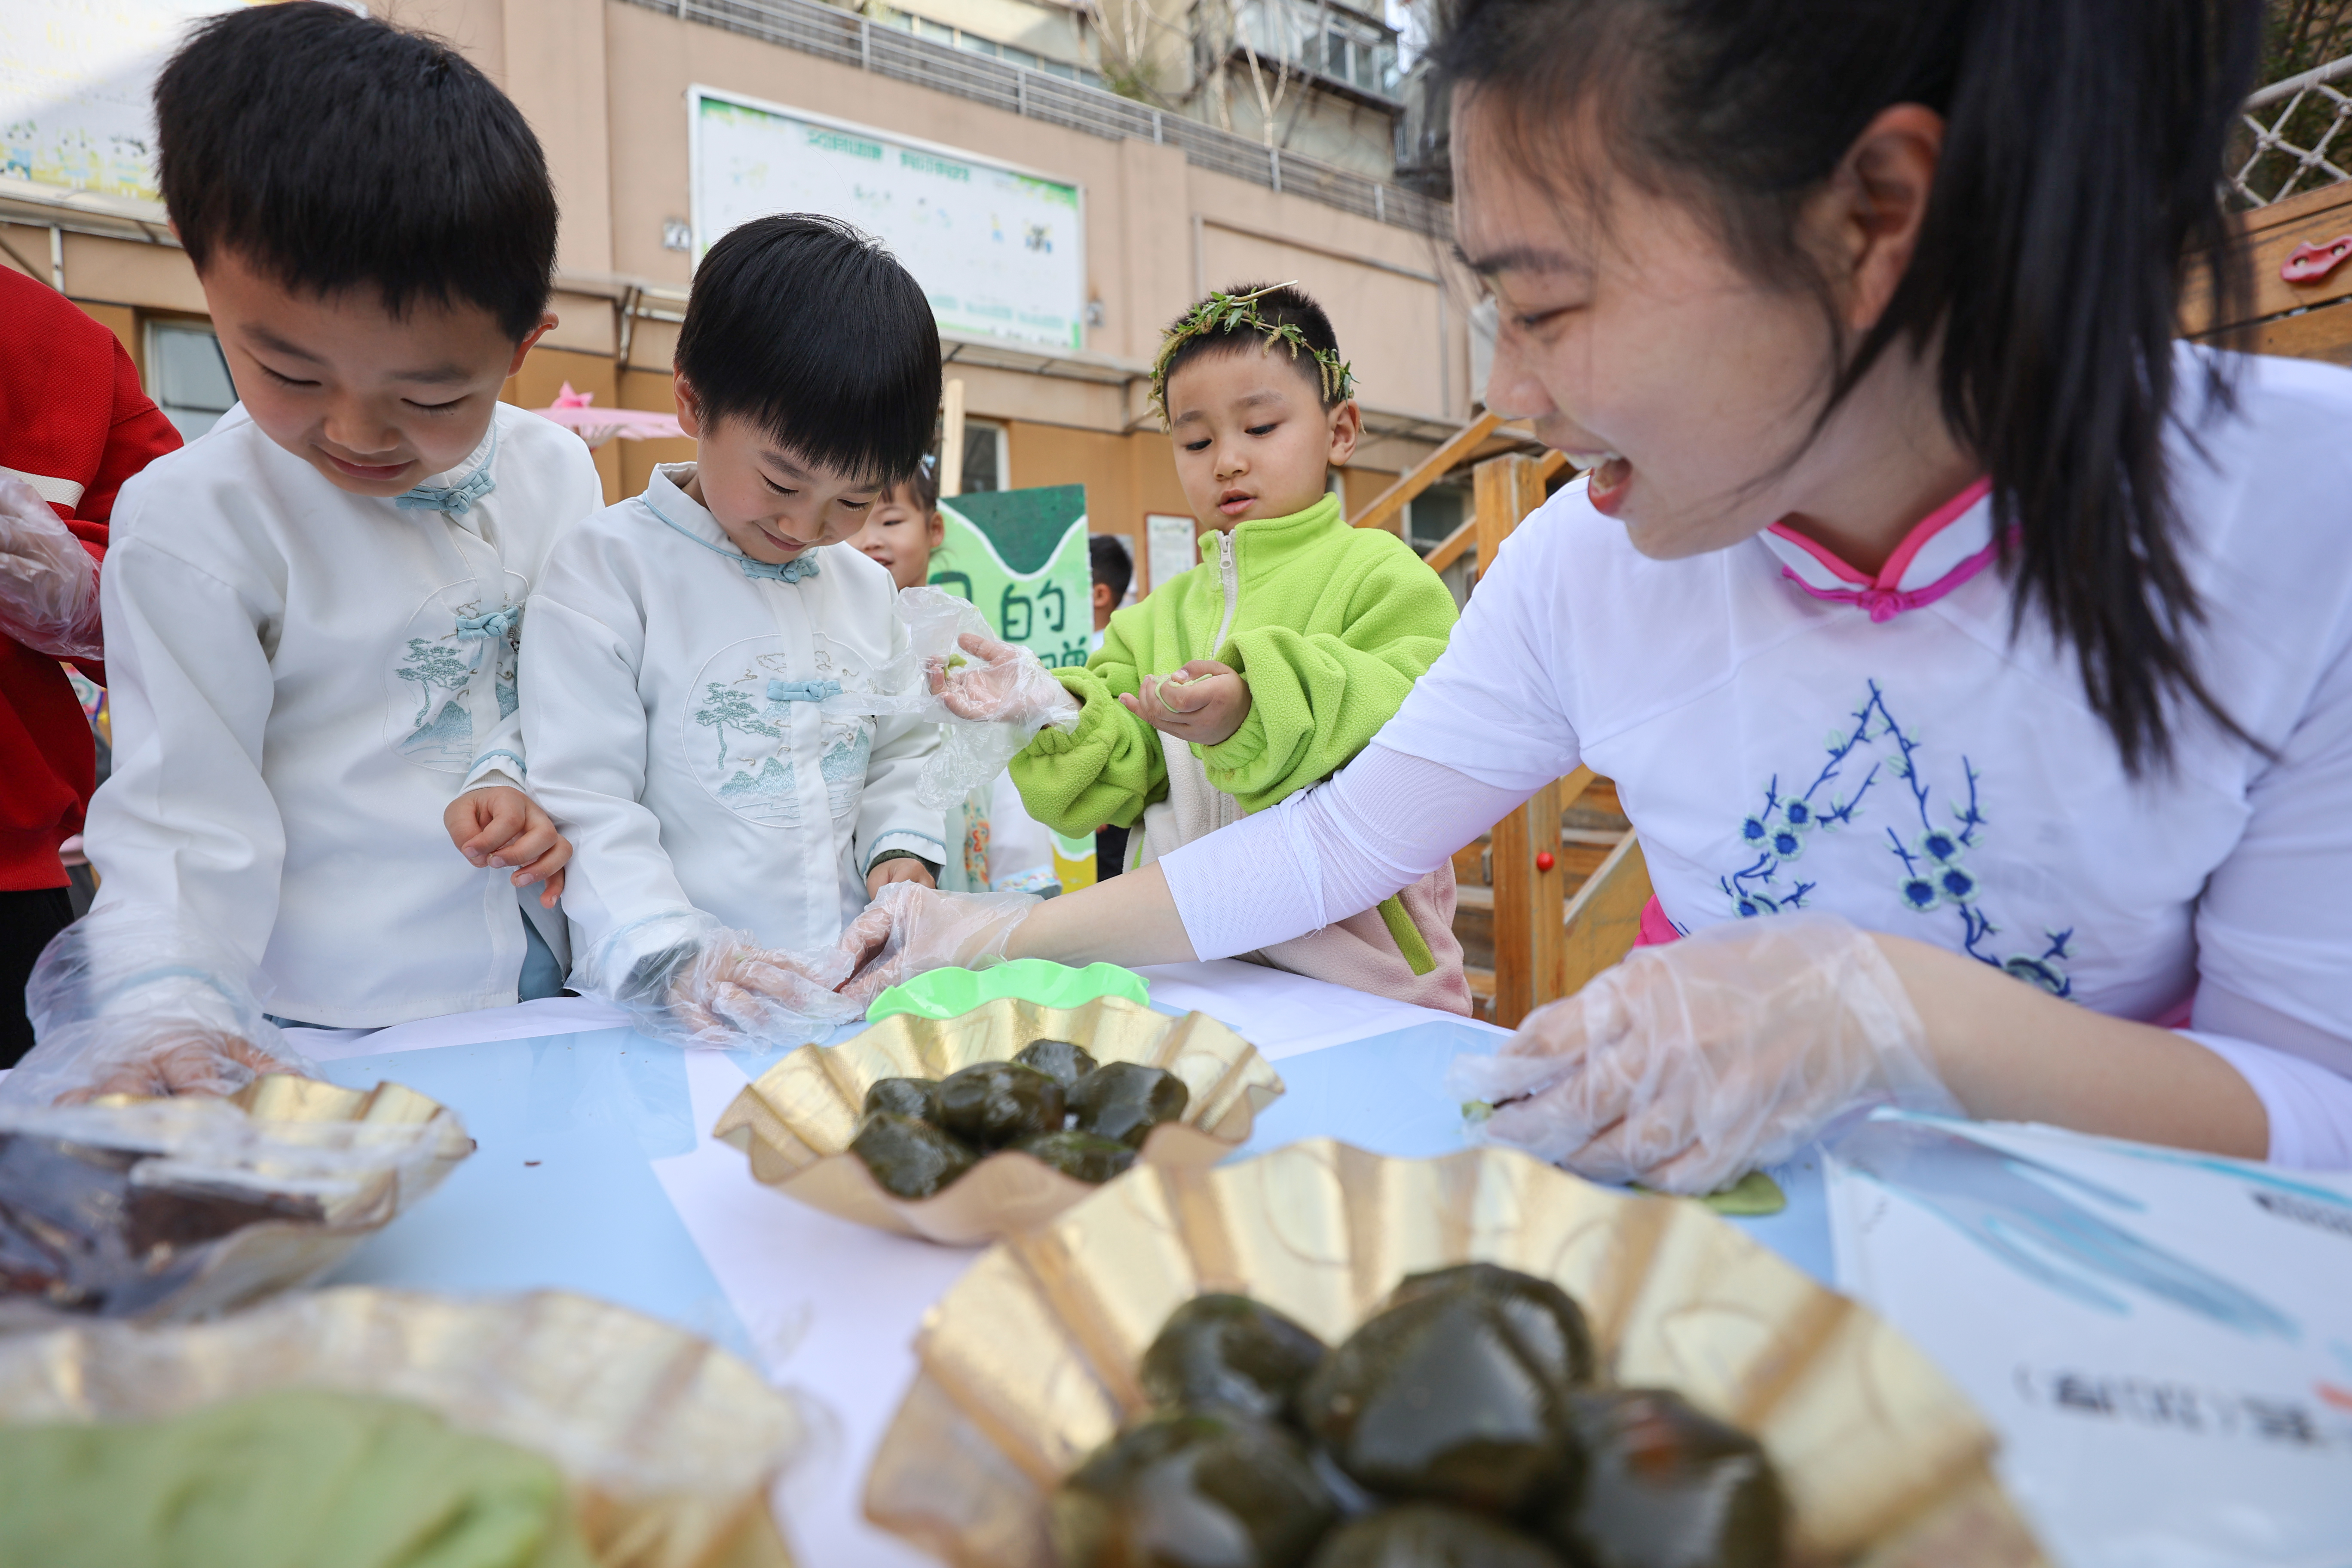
pixel 1330 625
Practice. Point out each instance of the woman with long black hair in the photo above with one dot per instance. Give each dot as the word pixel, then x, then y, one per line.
pixel 1971 657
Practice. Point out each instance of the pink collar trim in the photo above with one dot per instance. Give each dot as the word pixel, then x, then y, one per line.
pixel 1947 548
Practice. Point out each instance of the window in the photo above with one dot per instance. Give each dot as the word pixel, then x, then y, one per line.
pixel 1433 514
pixel 187 376
pixel 986 461
pixel 1335 43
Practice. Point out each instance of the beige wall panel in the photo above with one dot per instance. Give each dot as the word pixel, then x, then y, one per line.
pixel 556 74
pixel 652 347
pixel 477 26
pixel 585 323
pixel 1361 486
pixel 120 271
pixel 1156 284
pixel 1054 400
pixel 1387 324
pixel 543 375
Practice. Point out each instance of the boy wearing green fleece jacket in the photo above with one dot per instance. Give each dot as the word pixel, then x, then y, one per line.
pixel 1266 667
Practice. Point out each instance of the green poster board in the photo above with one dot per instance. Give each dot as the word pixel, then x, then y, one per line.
pixel 1020 556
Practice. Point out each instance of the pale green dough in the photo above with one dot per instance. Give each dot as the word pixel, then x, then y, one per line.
pixel 295 1479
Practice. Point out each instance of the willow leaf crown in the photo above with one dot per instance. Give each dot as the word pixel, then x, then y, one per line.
pixel 1223 313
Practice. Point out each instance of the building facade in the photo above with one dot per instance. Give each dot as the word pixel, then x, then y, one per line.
pixel 1167 204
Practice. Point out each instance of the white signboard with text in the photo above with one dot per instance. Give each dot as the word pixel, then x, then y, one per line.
pixel 76 89
pixel 998 250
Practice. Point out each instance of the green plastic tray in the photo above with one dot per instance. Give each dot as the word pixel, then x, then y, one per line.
pixel 951 993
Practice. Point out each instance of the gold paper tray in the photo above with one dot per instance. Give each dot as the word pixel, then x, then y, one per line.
pixel 796 1120
pixel 261 1259
pixel 669 1443
pixel 1028 1361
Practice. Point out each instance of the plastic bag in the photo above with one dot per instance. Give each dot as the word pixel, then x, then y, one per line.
pixel 1690 1064
pixel 973 750
pixel 686 979
pixel 49 582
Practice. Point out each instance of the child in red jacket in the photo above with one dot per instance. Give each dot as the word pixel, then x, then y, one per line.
pixel 73 426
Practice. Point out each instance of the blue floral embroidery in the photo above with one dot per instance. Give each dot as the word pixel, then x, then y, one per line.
pixel 1935 875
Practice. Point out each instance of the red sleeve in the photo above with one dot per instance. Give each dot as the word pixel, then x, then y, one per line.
pixel 137 436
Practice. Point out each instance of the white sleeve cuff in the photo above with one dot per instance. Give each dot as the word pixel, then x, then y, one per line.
pixel 2310 1107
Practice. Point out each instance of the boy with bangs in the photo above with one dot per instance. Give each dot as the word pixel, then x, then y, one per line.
pixel 705 688
pixel 312 613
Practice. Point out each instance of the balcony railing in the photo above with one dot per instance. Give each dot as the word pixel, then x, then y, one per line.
pixel 2314 108
pixel 850 39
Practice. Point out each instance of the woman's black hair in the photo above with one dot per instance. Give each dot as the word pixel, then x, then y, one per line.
pixel 814 331
pixel 329 149
pixel 2079 184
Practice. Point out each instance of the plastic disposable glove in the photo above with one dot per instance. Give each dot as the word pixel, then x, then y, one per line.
pixel 48 583
pixel 910 928
pixel 1690 1064
pixel 134 1001
pixel 1001 683
pixel 690 981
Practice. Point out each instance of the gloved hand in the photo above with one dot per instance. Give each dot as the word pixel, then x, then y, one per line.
pixel 910 928
pixel 704 985
pixel 48 583
pixel 138 1000
pixel 1690 1064
pixel 1001 683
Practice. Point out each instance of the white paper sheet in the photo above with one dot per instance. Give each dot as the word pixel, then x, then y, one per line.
pixel 2163 1339
pixel 524 1021
pixel 1285 1014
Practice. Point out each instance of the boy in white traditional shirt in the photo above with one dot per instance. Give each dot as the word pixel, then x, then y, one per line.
pixel 699 689
pixel 312 613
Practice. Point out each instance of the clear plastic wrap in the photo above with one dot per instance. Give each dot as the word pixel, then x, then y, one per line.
pixel 49 582
pixel 686 979
pixel 917 929
pixel 991 697
pixel 1689 1064
pixel 135 1000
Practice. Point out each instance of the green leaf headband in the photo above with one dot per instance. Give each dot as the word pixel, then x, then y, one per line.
pixel 1223 313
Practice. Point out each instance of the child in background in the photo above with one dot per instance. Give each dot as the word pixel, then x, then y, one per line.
pixel 1114 569
pixel 905 527
pixel 1267 667
pixel 311 614
pixel 697 688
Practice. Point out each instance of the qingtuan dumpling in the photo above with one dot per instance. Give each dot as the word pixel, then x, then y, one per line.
pixel 1060 1060
pixel 995 1103
pixel 1125 1100
pixel 1192 1490
pixel 1666 1487
pixel 1435 1397
pixel 1549 1323
pixel 914 1096
pixel 1079 1154
pixel 1230 1353
pixel 1430 1535
pixel 911 1158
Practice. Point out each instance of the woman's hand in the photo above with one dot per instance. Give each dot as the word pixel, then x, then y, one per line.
pixel 910 928
pixel 1690 1064
pixel 1204 702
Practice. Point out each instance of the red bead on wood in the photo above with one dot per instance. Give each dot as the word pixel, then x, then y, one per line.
pixel 1543 860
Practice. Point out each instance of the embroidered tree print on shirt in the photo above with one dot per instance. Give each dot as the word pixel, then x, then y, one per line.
pixel 434 668
pixel 724 709
pixel 1933 861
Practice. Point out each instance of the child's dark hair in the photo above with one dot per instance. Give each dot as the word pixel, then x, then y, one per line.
pixel 329 149
pixel 1106 553
pixel 1278 318
pixel 815 332
pixel 2079 183
pixel 922 487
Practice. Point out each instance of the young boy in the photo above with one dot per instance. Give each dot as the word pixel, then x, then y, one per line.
pixel 311 614
pixel 1114 569
pixel 1267 667
pixel 697 688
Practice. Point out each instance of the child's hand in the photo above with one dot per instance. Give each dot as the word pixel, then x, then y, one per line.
pixel 499 825
pixel 904 868
pixel 1204 702
pixel 994 681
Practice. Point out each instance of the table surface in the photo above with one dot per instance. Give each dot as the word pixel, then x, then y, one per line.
pixel 597 1172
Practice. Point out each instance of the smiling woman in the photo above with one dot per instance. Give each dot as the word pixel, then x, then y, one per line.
pixel 1914 557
